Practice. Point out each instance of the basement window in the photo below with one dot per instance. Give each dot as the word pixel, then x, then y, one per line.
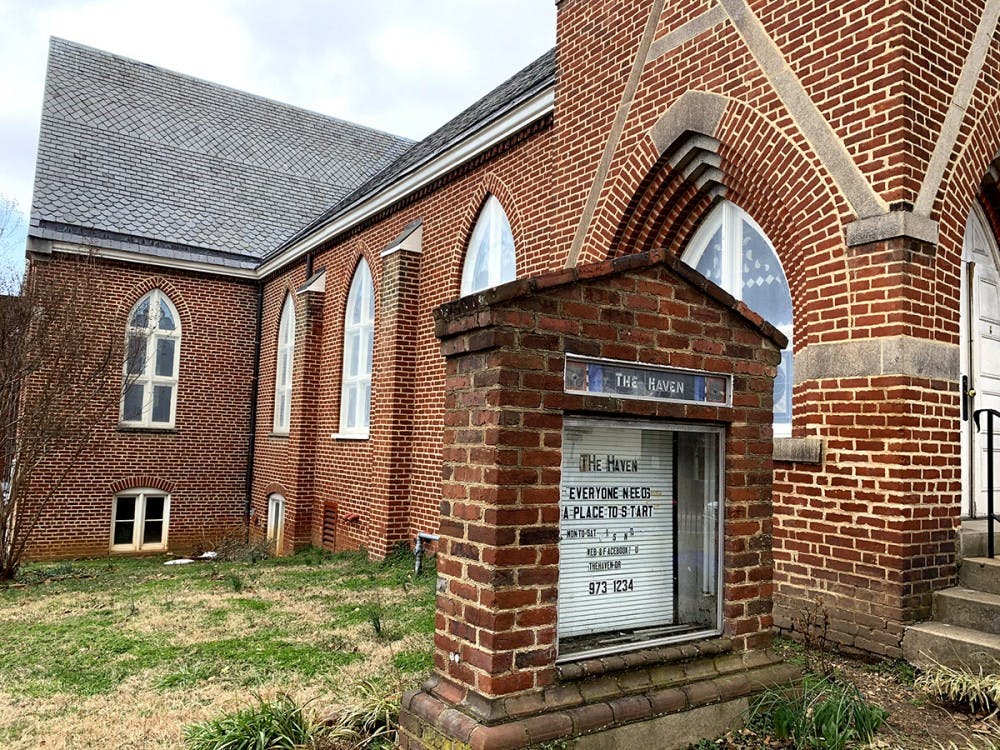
pixel 276 521
pixel 139 521
pixel 639 535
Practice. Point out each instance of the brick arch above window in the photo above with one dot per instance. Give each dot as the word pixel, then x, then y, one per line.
pixel 490 186
pixel 144 287
pixel 143 481
pixel 343 276
pixel 276 488
pixel 706 148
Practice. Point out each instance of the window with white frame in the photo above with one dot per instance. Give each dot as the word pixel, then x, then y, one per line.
pixel 139 520
pixel 283 372
pixel 490 259
pixel 276 520
pixel 731 250
pixel 152 361
pixel 359 330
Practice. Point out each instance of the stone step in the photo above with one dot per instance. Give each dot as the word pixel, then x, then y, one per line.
pixel 936 643
pixel 968 608
pixel 972 538
pixel 981 574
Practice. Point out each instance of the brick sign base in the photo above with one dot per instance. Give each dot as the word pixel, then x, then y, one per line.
pixel 497 681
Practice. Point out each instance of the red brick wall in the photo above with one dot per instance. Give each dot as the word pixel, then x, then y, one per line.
pixel 504 412
pixel 870 532
pixel 387 489
pixel 201 461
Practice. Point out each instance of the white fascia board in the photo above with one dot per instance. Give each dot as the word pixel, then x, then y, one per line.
pixel 483 140
pixel 153 260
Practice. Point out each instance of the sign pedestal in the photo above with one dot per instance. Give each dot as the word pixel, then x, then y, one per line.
pixel 604 565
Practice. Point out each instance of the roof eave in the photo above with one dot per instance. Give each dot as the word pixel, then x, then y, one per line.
pixel 146 259
pixel 537 106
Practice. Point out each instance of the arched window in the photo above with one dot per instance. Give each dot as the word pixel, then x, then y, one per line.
pixel 490 259
pixel 359 329
pixel 731 250
pixel 152 360
pixel 283 372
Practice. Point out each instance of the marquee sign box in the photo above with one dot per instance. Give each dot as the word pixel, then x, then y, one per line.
pixel 611 378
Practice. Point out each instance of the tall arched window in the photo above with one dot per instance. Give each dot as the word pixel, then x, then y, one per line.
pixel 152 361
pixel 490 259
pixel 731 250
pixel 359 330
pixel 283 371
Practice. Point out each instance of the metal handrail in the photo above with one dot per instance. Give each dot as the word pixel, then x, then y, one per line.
pixel 991 516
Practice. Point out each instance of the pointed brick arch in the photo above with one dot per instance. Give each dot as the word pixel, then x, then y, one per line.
pixel 359 250
pixel 706 146
pixel 130 298
pixel 964 183
pixel 489 184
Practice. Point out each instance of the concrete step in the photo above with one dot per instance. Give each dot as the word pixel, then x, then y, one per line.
pixel 932 643
pixel 981 574
pixel 968 608
pixel 972 538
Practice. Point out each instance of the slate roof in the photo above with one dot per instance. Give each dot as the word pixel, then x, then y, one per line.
pixel 151 160
pixel 525 84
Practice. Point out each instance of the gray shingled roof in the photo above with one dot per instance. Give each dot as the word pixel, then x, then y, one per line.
pixel 505 97
pixel 162 163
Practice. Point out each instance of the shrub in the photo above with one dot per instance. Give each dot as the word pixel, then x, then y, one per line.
pixel 280 724
pixel 821 714
pixel 975 692
pixel 371 717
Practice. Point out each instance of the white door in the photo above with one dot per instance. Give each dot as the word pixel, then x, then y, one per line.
pixel 980 331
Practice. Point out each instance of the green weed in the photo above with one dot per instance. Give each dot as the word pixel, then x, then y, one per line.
pixel 821 714
pixel 371 717
pixel 280 724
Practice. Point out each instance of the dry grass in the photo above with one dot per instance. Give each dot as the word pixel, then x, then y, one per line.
pixel 122 656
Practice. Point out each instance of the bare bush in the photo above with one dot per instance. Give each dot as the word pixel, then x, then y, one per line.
pixel 53 373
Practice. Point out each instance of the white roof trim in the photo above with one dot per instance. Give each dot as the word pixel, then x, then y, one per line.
pixel 127 256
pixel 482 140
pixel 411 243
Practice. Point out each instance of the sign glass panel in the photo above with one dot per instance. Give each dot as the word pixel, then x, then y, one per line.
pixel 639 535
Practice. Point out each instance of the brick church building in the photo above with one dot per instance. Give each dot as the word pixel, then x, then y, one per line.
pixel 828 163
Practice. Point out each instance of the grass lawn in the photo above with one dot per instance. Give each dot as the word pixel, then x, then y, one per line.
pixel 120 653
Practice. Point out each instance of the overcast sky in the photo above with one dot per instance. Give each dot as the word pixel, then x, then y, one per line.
pixel 404 66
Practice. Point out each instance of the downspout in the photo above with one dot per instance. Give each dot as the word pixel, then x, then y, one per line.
pixel 254 388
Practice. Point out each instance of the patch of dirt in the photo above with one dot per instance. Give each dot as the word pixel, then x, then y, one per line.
pixel 914 721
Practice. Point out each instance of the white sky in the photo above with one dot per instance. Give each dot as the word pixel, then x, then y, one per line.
pixel 404 66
